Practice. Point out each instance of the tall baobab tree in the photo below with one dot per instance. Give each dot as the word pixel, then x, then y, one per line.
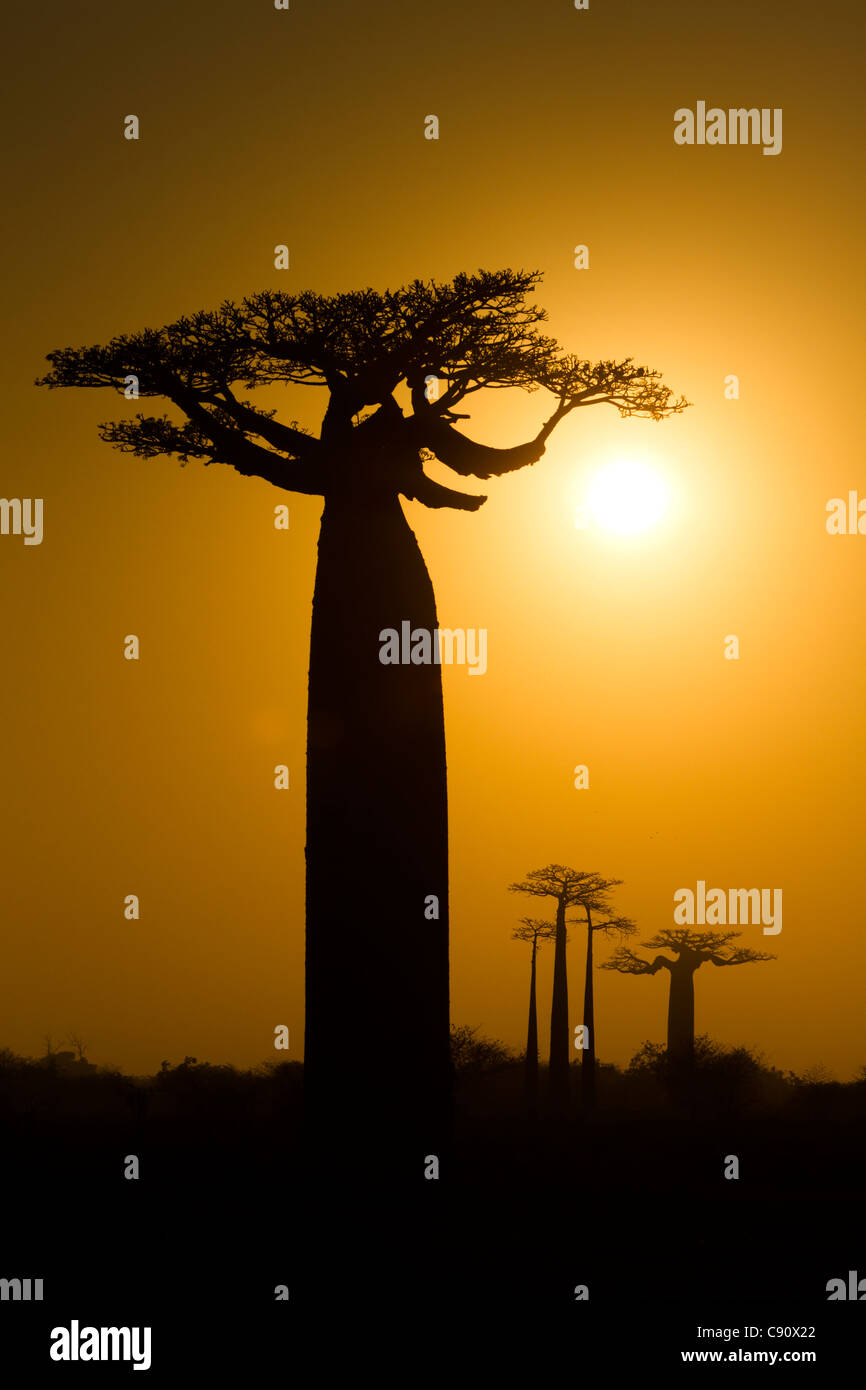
pixel 691 950
pixel 566 886
pixel 376 780
pixel 600 917
pixel 534 930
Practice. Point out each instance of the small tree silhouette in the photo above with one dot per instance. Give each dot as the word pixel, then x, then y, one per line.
pixel 691 950
pixel 535 931
pixel 472 1052
pixel 595 899
pixel 567 887
pixel 78 1044
pixel 389 817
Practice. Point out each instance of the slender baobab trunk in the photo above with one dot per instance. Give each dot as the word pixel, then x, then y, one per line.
pixel 559 1015
pixel 587 1061
pixel 681 1010
pixel 532 1041
pixel 377 1050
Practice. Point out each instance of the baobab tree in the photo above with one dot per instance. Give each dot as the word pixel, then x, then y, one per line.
pixel 376 780
pixel 595 899
pixel 534 930
pixel 691 950
pixel 567 887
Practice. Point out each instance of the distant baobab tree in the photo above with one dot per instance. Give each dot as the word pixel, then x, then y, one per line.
pixel 595 899
pixel 535 931
pixel 567 887
pixel 376 778
pixel 691 949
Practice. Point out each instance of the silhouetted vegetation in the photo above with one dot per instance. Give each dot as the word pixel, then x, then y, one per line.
pixel 472 1052
pixel 567 887
pixel 600 917
pixel 192 1100
pixel 534 930
pixel 691 950
pixel 590 894
pixel 540 1201
pixel 480 331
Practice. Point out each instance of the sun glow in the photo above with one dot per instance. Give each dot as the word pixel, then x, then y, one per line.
pixel 626 497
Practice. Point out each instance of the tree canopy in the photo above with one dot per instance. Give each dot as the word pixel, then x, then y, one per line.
pixel 475 332
pixel 534 930
pixel 713 946
pixel 569 886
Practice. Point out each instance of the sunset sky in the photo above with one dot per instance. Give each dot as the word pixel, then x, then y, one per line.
pixel 155 777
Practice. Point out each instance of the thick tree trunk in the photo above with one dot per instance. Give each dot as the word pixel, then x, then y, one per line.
pixel 532 1042
pixel 377 1052
pixel 559 1015
pixel 681 1011
pixel 587 1061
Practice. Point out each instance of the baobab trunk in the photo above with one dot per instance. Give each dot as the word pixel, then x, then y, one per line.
pixel 587 1060
pixel 377 1052
pixel 532 1041
pixel 681 1010
pixel 559 1015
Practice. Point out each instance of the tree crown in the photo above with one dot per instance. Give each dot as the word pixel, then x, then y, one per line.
pixel 694 947
pixel 535 930
pixel 580 888
pixel 475 332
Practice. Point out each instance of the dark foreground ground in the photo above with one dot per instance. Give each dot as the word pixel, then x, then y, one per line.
pixel 431 1278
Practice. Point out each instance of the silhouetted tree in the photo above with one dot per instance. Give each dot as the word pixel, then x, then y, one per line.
pixel 565 886
pixel 595 899
pixel 691 950
pixel 376 780
pixel 534 930
pixel 79 1045
pixel 473 1052
pixel 729 1078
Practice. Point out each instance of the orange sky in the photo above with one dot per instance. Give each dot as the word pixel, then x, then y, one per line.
pixel 556 128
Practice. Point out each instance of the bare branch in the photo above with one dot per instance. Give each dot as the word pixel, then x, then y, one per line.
pixel 570 886
pixel 628 963
pixel 534 930
pixel 690 947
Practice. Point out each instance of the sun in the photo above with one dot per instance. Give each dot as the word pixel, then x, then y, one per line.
pixel 627 496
